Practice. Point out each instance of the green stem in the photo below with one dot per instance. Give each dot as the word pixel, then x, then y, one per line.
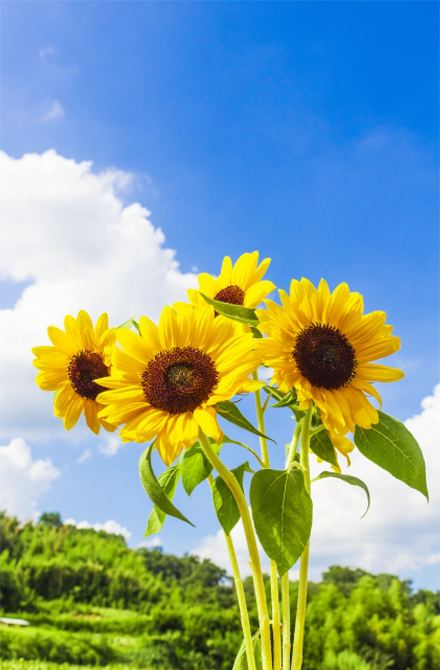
pixel 298 639
pixel 240 597
pixel 285 596
pixel 260 419
pixel 276 627
pixel 276 624
pixel 294 444
pixel 254 558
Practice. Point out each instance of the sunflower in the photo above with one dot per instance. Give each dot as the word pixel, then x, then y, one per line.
pixel 80 355
pixel 237 285
pixel 166 381
pixel 322 344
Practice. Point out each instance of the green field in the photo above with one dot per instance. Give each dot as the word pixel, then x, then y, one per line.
pixel 91 601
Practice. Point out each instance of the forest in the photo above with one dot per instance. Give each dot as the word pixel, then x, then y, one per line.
pixel 90 600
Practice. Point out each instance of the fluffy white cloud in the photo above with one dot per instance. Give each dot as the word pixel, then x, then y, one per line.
pixel 22 479
pixel 69 231
pixel 109 526
pixel 398 535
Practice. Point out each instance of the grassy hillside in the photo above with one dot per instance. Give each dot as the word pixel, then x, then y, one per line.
pixel 92 601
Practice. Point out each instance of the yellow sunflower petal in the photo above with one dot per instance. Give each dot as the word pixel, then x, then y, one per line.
pixel 91 414
pixel 73 412
pixel 134 345
pixel 207 420
pixel 379 373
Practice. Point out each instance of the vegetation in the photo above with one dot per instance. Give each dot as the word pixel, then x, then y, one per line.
pixel 92 601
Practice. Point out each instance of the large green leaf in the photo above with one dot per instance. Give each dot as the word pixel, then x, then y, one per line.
pixel 196 467
pixel 229 411
pixel 241 663
pixel 224 502
pixel 390 445
pixel 354 481
pixel 153 489
pixel 168 480
pixel 244 315
pixel 282 514
pixel 322 446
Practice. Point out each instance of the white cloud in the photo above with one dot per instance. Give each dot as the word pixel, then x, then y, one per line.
pixel 214 547
pixel 111 445
pixel 109 526
pixel 22 479
pixel 150 544
pixel 55 112
pixel 84 456
pixel 69 230
pixel 398 535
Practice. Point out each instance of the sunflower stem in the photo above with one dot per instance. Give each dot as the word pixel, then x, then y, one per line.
pixel 276 625
pixel 274 593
pixel 285 595
pixel 240 597
pixel 260 419
pixel 254 558
pixel 294 444
pixel 298 639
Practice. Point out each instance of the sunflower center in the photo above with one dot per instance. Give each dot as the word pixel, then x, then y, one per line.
pixel 324 356
pixel 234 295
pixel 84 368
pixel 179 380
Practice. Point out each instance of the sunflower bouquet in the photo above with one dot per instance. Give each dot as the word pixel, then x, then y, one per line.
pixel 169 384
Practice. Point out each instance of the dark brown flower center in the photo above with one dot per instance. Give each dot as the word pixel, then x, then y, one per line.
pixel 179 380
pixel 324 356
pixel 84 368
pixel 234 295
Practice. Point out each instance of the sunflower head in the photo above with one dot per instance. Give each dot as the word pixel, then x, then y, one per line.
pixel 80 355
pixel 324 346
pixel 166 380
pixel 239 284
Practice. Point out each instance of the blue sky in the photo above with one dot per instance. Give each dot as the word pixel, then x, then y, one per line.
pixel 306 130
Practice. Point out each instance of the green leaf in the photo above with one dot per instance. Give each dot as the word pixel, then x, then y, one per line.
pixel 241 663
pixel 322 446
pixel 225 506
pixel 390 445
pixel 153 489
pixel 354 481
pixel 196 467
pixel 245 315
pixel 129 323
pixel 282 514
pixel 285 400
pixel 288 399
pixel 229 411
pixel 168 480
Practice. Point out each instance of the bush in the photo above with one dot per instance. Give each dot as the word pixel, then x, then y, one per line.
pixel 345 660
pixel 58 647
